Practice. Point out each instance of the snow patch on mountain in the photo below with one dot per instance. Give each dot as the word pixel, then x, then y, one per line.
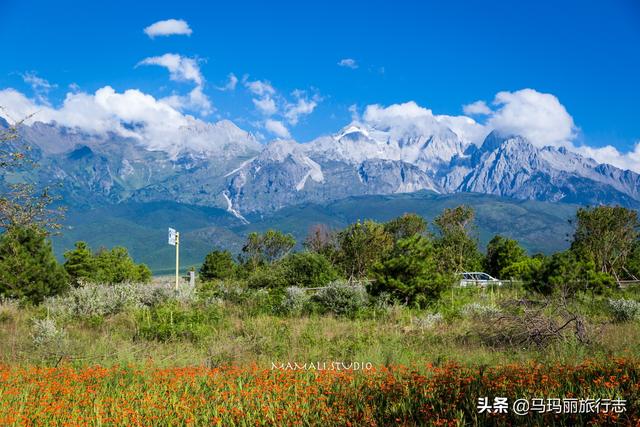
pixel 242 165
pixel 231 209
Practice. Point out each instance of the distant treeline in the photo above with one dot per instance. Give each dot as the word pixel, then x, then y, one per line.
pixel 406 258
pixel 414 262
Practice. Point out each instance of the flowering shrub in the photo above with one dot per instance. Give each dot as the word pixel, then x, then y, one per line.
pixel 624 310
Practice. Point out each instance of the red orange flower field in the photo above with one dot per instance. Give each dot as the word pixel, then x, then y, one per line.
pixel 253 396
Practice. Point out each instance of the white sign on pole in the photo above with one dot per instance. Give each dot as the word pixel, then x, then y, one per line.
pixel 172 236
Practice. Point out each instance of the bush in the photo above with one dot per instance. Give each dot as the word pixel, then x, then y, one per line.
pixel 48 338
pixel 525 270
pixel 28 268
pixel 262 301
pixel 8 309
pixel 294 300
pixel 563 271
pixel 171 320
pixel 624 310
pixel 97 299
pixel 308 270
pixel 341 299
pixel 268 277
pixel 234 291
pixel 217 265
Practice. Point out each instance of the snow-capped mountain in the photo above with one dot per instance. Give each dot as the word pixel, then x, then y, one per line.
pixel 221 165
pixel 357 143
pixel 511 166
pixel 360 160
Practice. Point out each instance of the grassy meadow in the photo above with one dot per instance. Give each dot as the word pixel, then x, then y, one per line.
pixel 224 354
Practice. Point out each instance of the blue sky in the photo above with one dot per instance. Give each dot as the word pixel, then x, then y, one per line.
pixel 442 55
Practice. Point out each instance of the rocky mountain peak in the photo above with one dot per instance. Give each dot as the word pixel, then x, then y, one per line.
pixel 219 164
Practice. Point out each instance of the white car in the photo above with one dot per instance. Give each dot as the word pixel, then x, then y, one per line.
pixel 477 278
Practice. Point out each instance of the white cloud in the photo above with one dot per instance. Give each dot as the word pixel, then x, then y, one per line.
pixel 168 28
pixel 302 107
pixel 266 105
pixel 183 69
pixel 99 113
pixel 410 119
pixel 158 125
pixel 180 68
pixel 194 100
pixel 611 155
pixel 40 86
pixel 277 128
pixel 14 106
pixel 540 117
pixel 465 127
pixel 476 108
pixel 348 63
pixel 353 110
pixel 231 84
pixel 258 87
pixel 271 103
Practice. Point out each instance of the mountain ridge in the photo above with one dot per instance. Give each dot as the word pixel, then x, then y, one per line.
pixel 220 165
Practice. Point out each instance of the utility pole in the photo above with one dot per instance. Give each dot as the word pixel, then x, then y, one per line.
pixel 177 258
pixel 174 240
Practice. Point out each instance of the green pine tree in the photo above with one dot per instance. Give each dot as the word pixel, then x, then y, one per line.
pixel 457 240
pixel 116 266
pixel 80 263
pixel 361 245
pixel 28 268
pixel 410 274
